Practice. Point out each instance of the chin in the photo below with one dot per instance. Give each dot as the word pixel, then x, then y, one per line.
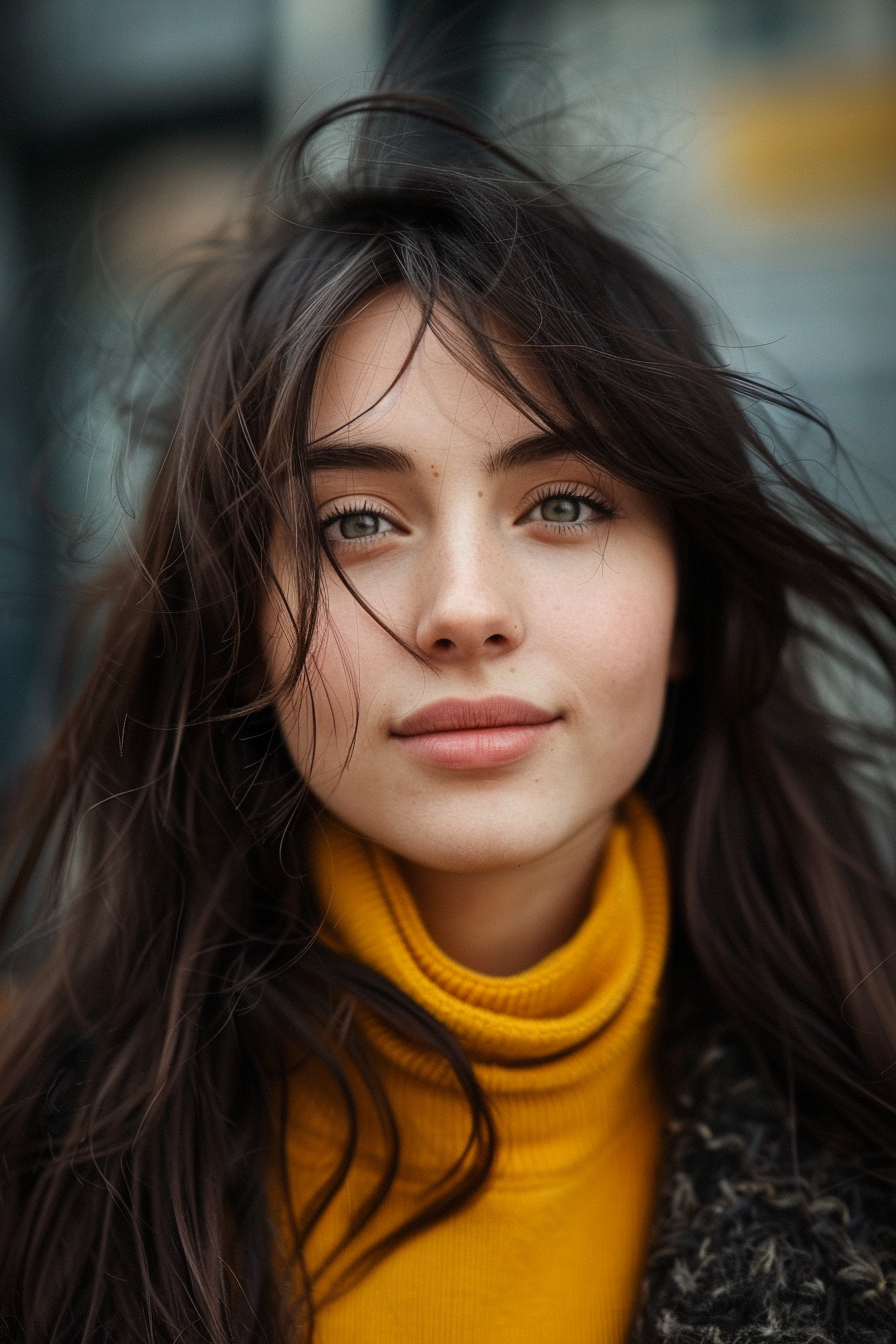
pixel 474 848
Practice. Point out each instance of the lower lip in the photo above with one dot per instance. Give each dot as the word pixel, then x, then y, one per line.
pixel 477 748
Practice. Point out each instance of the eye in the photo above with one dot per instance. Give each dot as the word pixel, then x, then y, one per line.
pixel 567 508
pixel 357 525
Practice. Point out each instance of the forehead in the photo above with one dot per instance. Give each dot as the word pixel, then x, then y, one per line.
pixel 367 381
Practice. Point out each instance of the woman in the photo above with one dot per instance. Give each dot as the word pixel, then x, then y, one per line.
pixel 461 910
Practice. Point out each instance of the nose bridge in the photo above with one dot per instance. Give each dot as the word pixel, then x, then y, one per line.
pixel 468 605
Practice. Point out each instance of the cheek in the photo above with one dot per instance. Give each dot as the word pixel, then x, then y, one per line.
pixel 325 719
pixel 623 657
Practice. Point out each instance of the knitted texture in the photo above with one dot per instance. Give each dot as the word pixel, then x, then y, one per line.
pixel 552 1249
pixel 762 1234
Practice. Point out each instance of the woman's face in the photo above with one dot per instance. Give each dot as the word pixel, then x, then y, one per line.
pixel 539 593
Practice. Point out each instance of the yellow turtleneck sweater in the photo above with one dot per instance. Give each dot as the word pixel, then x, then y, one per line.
pixel 551 1251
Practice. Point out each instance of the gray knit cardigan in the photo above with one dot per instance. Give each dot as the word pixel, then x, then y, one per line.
pixel 762 1236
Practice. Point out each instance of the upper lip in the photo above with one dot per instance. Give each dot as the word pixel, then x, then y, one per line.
pixel 495 711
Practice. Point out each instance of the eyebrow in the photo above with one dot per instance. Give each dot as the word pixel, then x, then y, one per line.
pixel 378 457
pixel 537 448
pixel 351 456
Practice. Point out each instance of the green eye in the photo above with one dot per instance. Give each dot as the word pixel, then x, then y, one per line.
pixel 363 524
pixel 560 509
pixel 354 526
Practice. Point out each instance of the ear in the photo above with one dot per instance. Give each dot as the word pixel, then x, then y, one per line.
pixel 679 655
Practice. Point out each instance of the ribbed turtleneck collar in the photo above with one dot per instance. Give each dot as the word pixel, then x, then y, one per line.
pixel 579 1007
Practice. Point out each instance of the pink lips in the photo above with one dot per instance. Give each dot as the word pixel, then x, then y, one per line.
pixel 474 734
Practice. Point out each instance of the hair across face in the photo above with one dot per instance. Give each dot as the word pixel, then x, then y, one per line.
pixel 511 569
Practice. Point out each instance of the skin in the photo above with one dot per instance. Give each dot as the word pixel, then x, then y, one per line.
pixel 524 574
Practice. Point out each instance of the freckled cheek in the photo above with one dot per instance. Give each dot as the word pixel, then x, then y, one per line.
pixel 622 654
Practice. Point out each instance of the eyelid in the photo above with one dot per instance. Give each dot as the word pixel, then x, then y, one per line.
pixel 344 507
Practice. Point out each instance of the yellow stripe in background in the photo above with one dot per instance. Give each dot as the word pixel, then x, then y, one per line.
pixel 820 143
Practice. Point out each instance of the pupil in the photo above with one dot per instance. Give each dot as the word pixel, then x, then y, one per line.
pixel 355 525
pixel 562 509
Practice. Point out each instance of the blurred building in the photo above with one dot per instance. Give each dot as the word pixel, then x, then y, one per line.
pixel 752 144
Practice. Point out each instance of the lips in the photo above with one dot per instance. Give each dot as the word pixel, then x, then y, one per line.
pixel 474 734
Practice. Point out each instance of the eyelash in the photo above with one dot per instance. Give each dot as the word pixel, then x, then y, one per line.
pixel 606 512
pixel 347 510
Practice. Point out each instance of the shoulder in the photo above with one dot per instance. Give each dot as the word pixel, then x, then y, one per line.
pixel 762 1235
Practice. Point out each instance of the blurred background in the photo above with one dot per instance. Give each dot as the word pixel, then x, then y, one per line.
pixel 758 139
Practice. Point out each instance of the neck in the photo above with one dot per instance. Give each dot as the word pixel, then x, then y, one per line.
pixel 502 921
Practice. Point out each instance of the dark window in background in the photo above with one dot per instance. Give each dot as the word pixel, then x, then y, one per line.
pixel 126 123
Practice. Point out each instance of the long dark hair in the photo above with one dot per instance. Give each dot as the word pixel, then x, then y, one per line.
pixel 172 974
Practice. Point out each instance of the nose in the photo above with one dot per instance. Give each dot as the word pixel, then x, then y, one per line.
pixel 469 604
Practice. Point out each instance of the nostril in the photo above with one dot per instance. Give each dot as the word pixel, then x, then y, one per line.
pixel 496 639
pixel 444 645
